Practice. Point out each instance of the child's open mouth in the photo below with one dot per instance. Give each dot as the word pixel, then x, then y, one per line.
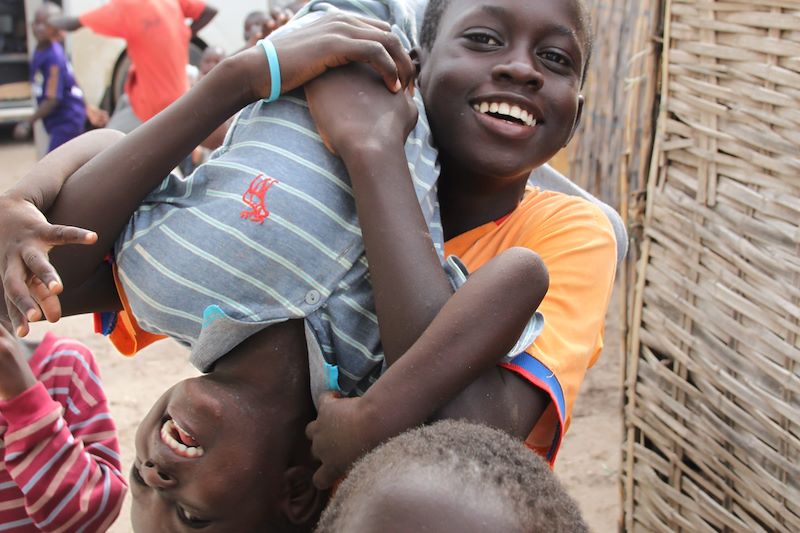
pixel 179 440
pixel 506 111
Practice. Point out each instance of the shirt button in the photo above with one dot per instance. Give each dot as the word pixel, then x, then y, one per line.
pixel 312 297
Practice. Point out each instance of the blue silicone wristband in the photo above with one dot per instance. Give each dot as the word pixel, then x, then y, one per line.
pixel 274 69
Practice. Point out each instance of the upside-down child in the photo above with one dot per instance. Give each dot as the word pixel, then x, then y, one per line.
pixel 60 465
pixel 492 156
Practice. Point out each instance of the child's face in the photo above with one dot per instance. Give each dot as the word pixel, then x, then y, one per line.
pixel 496 58
pixel 42 31
pixel 205 458
pixel 211 58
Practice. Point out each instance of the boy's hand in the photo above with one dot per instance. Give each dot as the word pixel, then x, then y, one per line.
pixel 30 282
pixel 328 42
pixel 15 375
pixel 339 437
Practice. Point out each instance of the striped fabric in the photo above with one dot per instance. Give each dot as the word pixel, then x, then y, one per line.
pixel 61 464
pixel 265 231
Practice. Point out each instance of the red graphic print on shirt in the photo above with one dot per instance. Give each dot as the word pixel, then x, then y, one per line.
pixel 254 198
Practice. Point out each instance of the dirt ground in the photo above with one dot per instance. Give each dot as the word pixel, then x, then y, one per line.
pixel 588 463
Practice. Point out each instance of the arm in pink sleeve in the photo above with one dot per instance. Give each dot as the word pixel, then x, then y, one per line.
pixel 61 445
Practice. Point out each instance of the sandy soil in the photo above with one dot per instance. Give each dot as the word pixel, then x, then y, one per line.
pixel 588 463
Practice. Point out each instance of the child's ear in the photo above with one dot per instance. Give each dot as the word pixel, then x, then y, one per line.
pixel 302 502
pixel 578 116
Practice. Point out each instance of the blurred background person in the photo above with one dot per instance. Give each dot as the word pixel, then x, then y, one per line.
pixel 157 39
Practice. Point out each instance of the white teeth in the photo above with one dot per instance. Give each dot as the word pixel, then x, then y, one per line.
pixel 502 108
pixel 181 449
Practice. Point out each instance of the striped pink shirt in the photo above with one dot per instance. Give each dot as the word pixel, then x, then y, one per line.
pixel 60 468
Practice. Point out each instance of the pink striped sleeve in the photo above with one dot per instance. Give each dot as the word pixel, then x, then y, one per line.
pixel 61 447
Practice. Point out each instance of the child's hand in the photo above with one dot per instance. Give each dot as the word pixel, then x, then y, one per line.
pixel 339 437
pixel 353 111
pixel 30 282
pixel 328 42
pixel 15 375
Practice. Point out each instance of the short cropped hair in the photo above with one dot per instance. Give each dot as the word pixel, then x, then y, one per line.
pixel 471 456
pixel 436 8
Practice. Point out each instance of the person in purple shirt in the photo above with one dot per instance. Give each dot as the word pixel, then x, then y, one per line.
pixel 59 100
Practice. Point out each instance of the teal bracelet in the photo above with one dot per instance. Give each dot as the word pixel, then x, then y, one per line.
pixel 274 68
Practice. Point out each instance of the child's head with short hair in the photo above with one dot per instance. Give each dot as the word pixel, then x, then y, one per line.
pixel 451 476
pixel 253 24
pixel 42 31
pixel 211 57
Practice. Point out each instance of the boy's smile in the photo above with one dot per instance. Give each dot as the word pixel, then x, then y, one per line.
pixel 501 85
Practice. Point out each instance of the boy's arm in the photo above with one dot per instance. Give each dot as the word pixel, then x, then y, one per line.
pixel 208 14
pixel 65 23
pixel 67 465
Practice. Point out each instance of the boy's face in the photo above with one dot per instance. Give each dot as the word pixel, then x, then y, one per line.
pixel 211 58
pixel 42 31
pixel 501 83
pixel 205 459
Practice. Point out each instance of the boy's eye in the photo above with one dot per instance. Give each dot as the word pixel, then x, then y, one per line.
pixel 190 520
pixel 483 38
pixel 137 476
pixel 556 57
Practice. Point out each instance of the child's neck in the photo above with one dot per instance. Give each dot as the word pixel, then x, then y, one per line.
pixel 468 200
pixel 44 44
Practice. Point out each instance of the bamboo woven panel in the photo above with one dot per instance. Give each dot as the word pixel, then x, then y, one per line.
pixel 610 153
pixel 713 379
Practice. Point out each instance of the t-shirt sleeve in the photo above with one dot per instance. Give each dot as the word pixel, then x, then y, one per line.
pixel 108 19
pixel 578 247
pixel 192 8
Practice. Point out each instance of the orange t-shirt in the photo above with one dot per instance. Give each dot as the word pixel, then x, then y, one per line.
pixel 576 242
pixel 158 45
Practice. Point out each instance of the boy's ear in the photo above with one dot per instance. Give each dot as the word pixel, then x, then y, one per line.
pixel 578 116
pixel 302 503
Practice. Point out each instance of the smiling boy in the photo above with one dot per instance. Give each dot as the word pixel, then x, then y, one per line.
pixel 511 54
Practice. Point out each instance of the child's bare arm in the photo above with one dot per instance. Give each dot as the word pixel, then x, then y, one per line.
pixel 455 357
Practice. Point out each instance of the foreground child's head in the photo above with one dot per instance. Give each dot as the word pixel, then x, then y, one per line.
pixel 501 81
pixel 226 451
pixel 42 31
pixel 451 476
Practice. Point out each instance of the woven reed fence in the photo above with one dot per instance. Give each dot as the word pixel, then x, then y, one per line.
pixel 713 375
pixel 610 154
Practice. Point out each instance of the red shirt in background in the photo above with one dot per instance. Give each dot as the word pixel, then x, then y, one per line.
pixel 158 46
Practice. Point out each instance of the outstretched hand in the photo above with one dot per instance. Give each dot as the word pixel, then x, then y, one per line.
pixel 334 40
pixel 30 283
pixel 339 436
